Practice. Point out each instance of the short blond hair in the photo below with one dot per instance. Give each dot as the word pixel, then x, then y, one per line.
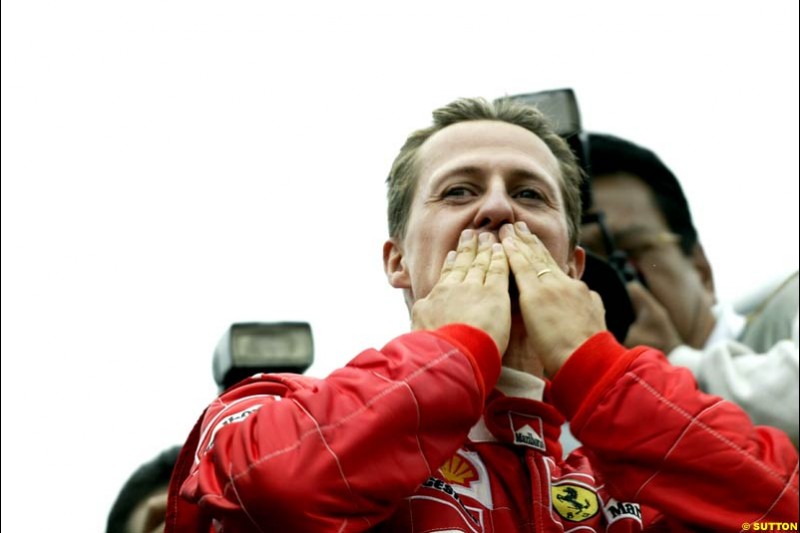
pixel 402 180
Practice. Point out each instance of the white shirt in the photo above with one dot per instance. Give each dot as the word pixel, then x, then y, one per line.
pixel 766 385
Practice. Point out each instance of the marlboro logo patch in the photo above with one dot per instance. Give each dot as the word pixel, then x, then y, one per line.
pixel 527 430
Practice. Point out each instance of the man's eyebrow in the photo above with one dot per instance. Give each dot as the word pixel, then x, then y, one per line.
pixel 476 171
pixel 528 175
pixel 469 170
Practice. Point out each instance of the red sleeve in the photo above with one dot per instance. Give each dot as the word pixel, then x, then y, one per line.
pixel 659 441
pixel 289 453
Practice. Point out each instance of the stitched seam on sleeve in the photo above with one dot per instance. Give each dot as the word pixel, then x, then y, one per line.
pixel 420 371
pixel 241 503
pixel 785 487
pixel 649 388
pixel 219 401
pixel 419 420
pixel 672 448
pixel 327 447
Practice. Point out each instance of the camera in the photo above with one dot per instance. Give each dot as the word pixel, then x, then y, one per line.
pixel 248 348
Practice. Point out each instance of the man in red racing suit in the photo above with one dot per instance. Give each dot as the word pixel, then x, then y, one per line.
pixel 454 427
pixel 389 443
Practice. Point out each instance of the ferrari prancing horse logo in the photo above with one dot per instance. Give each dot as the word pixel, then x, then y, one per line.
pixel 574 502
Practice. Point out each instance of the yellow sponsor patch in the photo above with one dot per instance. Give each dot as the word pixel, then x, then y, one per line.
pixel 457 470
pixel 573 502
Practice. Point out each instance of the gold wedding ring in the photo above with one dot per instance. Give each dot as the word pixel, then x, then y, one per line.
pixel 542 272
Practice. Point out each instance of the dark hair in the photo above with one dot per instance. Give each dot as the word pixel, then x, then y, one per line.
pixel 147 478
pixel 609 154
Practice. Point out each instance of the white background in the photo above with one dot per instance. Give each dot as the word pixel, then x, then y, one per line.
pixel 171 167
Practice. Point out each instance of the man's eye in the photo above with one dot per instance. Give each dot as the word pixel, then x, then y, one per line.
pixel 457 192
pixel 528 194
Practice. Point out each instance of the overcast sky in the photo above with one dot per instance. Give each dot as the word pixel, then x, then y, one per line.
pixel 171 167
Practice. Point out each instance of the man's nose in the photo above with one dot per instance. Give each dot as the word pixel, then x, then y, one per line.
pixel 495 209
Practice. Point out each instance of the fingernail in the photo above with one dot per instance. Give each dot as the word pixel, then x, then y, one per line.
pixel 451 257
pixel 497 247
pixel 522 227
pixel 484 238
pixel 466 236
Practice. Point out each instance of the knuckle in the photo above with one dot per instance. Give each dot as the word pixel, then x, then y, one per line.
pixel 526 268
pixel 497 268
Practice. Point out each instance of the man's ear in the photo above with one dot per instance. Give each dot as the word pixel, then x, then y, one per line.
pixel 703 268
pixel 577 263
pixel 395 266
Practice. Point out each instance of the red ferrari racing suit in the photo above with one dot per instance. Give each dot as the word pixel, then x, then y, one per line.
pixel 415 438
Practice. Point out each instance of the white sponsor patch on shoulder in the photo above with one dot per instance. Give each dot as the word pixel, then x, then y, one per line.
pixel 615 510
pixel 232 418
pixel 234 413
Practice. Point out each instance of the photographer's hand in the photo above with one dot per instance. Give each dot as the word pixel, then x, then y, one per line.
pixel 560 313
pixel 653 326
pixel 472 289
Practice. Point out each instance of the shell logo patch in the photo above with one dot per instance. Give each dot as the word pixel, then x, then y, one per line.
pixel 573 502
pixel 458 470
pixel 467 474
